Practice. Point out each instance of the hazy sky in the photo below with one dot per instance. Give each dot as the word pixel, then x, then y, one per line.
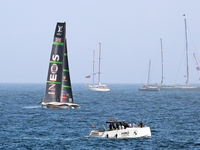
pixel 129 31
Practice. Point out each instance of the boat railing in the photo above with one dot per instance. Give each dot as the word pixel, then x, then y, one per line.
pixel 99 130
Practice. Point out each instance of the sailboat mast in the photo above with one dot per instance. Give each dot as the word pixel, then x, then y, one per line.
pixel 99 61
pixel 162 61
pixel 149 72
pixel 93 65
pixel 186 45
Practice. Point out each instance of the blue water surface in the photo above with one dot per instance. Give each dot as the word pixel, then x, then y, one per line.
pixel 174 118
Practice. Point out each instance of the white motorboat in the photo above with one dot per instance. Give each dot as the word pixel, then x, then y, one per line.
pixel 116 132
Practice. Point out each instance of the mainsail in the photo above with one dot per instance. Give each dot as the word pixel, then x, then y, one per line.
pixel 58 86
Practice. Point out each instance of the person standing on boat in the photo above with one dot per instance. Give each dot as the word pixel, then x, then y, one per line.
pixel 130 125
pixel 113 126
pixel 110 127
pixel 140 124
pixel 117 126
pixel 133 125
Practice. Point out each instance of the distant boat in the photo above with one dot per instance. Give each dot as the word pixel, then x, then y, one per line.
pixel 58 92
pixel 175 87
pixel 98 87
pixel 149 87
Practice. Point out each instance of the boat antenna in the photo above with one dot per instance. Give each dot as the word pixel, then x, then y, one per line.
pixel 186 45
pixel 149 72
pixel 99 61
pixel 93 65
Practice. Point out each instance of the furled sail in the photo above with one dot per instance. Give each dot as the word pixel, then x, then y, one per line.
pixel 66 91
pixel 54 76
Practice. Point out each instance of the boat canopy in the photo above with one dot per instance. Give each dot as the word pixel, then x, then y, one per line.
pixel 122 122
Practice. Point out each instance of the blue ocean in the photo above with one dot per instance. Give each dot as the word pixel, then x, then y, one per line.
pixel 174 118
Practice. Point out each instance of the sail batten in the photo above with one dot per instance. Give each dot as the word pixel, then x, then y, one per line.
pixel 54 82
pixel 66 86
pixel 57 43
pixel 65 70
pixel 56 62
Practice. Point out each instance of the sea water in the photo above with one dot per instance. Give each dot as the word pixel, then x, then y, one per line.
pixel 173 116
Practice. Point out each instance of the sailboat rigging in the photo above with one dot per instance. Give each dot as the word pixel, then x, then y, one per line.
pixel 149 87
pixel 98 87
pixel 186 87
pixel 58 93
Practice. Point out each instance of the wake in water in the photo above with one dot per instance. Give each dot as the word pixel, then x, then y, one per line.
pixel 32 107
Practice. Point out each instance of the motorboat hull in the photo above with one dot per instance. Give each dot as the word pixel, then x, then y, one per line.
pixel 131 132
pixel 60 105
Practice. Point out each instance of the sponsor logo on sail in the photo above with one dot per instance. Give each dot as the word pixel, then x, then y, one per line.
pixel 53 75
pixel 60 28
pixel 59 32
pixel 64 78
pixel 64 97
pixel 54 68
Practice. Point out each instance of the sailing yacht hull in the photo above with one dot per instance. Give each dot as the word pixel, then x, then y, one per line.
pixel 99 89
pixel 60 105
pixel 149 89
pixel 191 88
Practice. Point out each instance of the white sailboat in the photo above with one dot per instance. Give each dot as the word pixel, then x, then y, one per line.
pixel 149 87
pixel 175 87
pixel 98 87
